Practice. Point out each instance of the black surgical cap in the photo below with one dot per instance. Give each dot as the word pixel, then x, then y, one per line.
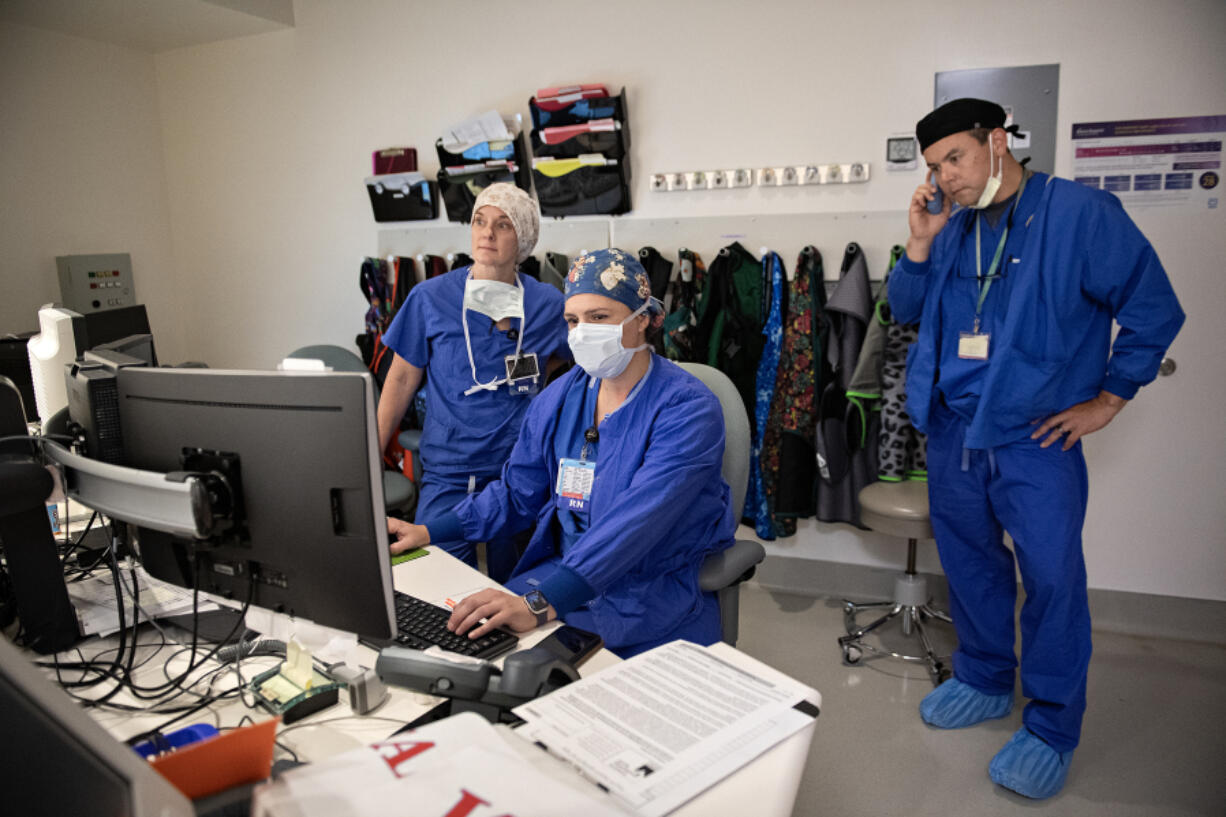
pixel 956 116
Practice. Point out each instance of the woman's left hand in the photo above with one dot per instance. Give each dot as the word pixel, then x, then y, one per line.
pixel 499 609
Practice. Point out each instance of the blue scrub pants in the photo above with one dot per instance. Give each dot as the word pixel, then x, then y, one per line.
pixel 437 497
pixel 1039 496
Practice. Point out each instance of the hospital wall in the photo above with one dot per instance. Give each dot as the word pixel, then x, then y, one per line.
pixel 231 172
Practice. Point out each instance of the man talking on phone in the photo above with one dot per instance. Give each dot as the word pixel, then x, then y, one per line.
pixel 1015 279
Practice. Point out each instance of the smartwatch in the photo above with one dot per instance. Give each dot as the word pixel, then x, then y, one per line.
pixel 538 604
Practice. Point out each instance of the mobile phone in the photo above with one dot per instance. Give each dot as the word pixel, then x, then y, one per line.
pixel 938 201
pixel 572 644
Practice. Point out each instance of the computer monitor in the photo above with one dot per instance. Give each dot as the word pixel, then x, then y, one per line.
pixel 311 533
pixel 109 325
pixel 55 759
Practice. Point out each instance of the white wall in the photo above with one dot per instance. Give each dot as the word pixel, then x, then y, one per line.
pixel 82 170
pixel 266 140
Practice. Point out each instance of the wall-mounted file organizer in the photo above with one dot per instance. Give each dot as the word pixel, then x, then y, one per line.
pixel 402 197
pixel 460 186
pixel 468 163
pixel 581 143
pixel 585 186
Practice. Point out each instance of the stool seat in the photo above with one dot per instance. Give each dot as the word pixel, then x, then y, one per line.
pixel 899 509
pixel 896 508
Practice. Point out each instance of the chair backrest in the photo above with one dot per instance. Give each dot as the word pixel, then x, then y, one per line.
pixel 337 358
pixel 736 431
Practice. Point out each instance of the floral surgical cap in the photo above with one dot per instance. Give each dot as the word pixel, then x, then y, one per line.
pixel 615 274
pixel 520 208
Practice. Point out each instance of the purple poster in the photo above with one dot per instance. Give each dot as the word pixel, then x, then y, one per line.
pixel 1153 162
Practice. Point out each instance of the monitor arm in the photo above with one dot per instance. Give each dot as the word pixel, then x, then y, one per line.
pixel 193 505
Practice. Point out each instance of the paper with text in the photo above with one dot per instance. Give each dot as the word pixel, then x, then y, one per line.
pixel 663 726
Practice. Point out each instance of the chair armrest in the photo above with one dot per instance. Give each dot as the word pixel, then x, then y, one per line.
pixel 730 566
pixel 410 440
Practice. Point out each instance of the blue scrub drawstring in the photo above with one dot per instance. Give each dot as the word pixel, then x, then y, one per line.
pixel 991 452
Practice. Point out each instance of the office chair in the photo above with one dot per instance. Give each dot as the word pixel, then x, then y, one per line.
pixel 723 573
pixel 399 492
pixel 901 509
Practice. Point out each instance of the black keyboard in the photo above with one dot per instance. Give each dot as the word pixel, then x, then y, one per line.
pixel 421 624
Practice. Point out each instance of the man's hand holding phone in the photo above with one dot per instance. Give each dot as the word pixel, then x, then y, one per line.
pixel 926 217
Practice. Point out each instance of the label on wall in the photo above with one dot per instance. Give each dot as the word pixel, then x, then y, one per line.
pixel 1158 162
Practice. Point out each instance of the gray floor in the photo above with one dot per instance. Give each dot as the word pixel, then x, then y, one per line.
pixel 1153 743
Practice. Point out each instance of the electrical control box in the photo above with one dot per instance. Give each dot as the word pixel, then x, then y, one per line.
pixel 93 283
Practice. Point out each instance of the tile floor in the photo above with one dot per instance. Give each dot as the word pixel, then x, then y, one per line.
pixel 1154 740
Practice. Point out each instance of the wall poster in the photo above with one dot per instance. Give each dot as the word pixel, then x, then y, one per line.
pixel 1160 162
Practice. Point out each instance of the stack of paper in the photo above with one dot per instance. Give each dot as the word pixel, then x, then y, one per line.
pixel 98 612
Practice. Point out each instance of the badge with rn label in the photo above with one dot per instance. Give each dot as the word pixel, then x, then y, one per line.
pixel 575 479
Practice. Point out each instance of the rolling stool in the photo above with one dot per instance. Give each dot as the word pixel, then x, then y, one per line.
pixel 899 508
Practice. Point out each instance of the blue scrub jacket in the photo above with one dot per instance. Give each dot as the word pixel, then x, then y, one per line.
pixel 659 506
pixel 472 434
pixel 1083 264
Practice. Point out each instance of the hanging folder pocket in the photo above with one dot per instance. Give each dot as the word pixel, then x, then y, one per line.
pixel 578 112
pixel 603 136
pixel 513 152
pixel 402 197
pixel 459 186
pixel 587 185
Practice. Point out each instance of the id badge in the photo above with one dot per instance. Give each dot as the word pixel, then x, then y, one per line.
pixel 973 345
pixel 575 479
pixel 523 373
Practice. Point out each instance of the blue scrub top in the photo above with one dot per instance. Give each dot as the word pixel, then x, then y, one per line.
pixel 659 507
pixel 576 418
pixel 473 434
pixel 961 380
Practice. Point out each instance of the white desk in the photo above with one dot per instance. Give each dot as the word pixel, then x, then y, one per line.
pixel 767 786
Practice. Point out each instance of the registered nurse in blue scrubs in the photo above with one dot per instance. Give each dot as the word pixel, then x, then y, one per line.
pixel 481 341
pixel 617 470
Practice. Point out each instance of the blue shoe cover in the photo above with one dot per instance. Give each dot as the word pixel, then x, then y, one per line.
pixel 954 705
pixel 1029 766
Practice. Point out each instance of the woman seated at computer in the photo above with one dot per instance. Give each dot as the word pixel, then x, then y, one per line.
pixel 618 466
pixel 484 337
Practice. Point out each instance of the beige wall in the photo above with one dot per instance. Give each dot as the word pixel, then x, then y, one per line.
pixel 266 140
pixel 82 170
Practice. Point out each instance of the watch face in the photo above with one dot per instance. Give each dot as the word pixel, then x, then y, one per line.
pixel 536 601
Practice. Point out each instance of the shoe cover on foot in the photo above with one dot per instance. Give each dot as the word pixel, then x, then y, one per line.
pixel 954 705
pixel 1029 766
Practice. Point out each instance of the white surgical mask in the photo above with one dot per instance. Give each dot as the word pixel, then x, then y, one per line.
pixel 597 347
pixel 494 299
pixel 993 186
pixel 497 301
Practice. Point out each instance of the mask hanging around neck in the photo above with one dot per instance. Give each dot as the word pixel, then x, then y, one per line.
pixel 994 180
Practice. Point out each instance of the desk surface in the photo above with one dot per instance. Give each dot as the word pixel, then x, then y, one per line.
pixel 767 786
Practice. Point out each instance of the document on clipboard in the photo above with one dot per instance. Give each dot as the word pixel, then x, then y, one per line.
pixel 664 726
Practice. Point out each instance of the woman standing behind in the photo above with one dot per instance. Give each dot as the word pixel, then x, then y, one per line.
pixel 483 338
pixel 618 466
